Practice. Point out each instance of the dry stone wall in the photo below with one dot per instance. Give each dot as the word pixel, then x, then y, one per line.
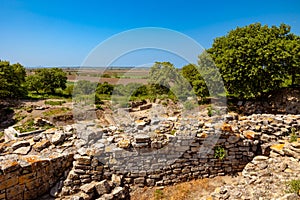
pixel 28 177
pixel 84 161
pixel 185 157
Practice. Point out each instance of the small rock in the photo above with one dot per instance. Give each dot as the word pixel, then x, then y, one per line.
pixel 102 187
pixel 142 138
pixel 50 131
pixel 106 197
pixel 140 124
pixel 37 137
pixel 22 150
pixel 145 107
pixel 228 117
pixel 140 145
pixel 58 137
pixel 41 145
pixel 68 128
pixel 233 139
pixel 113 128
pixel 296 145
pixel 156 144
pixel 227 128
pixel 278 148
pixel 201 135
pixel 82 160
pixel 155 121
pixel 119 193
pixel 82 151
pixel 81 196
pixel 20 144
pixel 124 144
pixel 249 134
pixel 88 188
pixel 260 158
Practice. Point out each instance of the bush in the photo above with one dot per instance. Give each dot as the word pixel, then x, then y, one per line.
pixel 99 107
pixel 293 186
pixel 104 88
pixel 220 152
pixel 209 111
pixel 106 76
pixel 83 87
pixel 293 135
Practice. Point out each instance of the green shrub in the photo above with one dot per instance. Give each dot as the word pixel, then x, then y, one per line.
pixel 293 186
pixel 106 76
pixel 293 135
pixel 209 111
pixel 164 103
pixel 99 107
pixel 220 152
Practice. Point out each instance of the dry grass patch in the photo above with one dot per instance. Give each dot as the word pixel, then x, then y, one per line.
pixel 191 190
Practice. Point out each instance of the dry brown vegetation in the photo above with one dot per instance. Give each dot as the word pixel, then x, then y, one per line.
pixel 191 190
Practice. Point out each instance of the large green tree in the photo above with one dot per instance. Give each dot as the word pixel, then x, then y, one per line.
pixel 165 78
pixel 204 77
pixel 47 80
pixel 255 59
pixel 192 74
pixel 12 78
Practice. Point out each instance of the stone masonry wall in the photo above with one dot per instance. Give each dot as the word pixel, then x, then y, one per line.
pixel 185 157
pixel 104 163
pixel 28 177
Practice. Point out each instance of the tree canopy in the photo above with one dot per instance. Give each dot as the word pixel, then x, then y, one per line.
pixel 256 59
pixel 12 78
pixel 164 78
pixel 47 80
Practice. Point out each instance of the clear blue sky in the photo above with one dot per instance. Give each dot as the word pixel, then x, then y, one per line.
pixel 63 32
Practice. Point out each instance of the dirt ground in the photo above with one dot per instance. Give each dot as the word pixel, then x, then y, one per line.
pixel 191 190
pixel 27 110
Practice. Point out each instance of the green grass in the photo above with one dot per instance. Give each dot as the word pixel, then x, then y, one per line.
pixel 18 117
pixel 32 95
pixel 1 134
pixel 26 127
pixel 30 126
pixel 56 111
pixel 55 103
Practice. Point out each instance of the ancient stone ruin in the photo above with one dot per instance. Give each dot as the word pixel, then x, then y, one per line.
pixel 85 161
